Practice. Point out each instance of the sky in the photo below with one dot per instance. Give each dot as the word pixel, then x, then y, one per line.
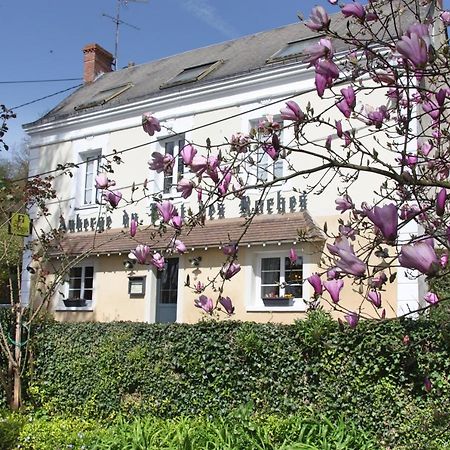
pixel 43 39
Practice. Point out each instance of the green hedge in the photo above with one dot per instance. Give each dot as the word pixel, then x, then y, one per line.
pixel 368 374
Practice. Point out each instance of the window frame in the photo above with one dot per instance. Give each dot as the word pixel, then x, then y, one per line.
pixel 65 293
pixel 168 182
pixel 86 157
pixel 254 294
pixel 271 167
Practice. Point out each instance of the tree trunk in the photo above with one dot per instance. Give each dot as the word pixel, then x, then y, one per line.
pixel 17 379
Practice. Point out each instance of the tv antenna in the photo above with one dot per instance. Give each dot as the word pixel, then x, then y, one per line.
pixel 117 21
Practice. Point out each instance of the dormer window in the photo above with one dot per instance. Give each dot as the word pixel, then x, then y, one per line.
pixel 104 96
pixel 192 74
pixel 294 49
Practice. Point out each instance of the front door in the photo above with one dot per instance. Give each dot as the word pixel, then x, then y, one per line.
pixel 167 292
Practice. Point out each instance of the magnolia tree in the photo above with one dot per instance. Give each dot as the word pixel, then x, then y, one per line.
pixel 388 85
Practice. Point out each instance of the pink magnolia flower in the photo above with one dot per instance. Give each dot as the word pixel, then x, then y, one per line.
pixel 352 319
pixel 230 249
pixel 326 73
pixel 440 202
pixel 315 281
pixel 222 188
pixel 150 124
pixel 351 264
pixel 349 96
pixel 158 261
pixel 180 247
pixel 378 281
pixel 322 50
pixel 293 255
pixel 229 270
pixel 292 112
pixel 204 303
pixel 318 20
pixel 332 2
pixel 185 186
pixel 334 287
pixel 271 151
pixel 199 164
pixel 376 117
pixel 344 203
pixel 177 222
pixel 431 298
pixel 113 198
pixel 103 182
pixel 199 287
pixel 141 253
pixel 413 48
pixel 445 17
pixel 375 298
pixel 227 305
pixel 385 219
pixel 187 154
pixel 240 142
pixel 420 256
pixel 338 124
pixel 162 163
pixel 344 108
pixel 354 10
pixel 133 227
pixel 443 259
pixel 167 210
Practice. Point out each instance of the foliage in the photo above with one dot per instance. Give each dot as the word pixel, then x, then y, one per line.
pixel 241 430
pixel 373 375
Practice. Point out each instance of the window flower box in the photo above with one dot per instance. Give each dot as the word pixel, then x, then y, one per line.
pixel 74 302
pixel 278 301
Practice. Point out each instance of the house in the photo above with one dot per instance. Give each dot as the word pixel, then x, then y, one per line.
pixel 203 96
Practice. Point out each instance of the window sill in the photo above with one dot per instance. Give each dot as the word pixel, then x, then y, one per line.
pixel 62 308
pixel 86 207
pixel 296 305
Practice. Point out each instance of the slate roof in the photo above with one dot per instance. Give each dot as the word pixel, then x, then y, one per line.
pixel 283 228
pixel 247 54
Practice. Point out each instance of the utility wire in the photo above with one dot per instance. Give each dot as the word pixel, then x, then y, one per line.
pixel 39 81
pixel 120 152
pixel 43 98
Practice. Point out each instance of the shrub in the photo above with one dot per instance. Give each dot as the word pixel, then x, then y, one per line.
pixel 372 374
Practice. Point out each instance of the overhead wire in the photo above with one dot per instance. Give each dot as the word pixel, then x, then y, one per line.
pixel 39 81
pixel 135 147
pixel 45 97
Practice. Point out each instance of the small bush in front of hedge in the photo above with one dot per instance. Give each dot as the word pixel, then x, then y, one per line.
pixel 372 375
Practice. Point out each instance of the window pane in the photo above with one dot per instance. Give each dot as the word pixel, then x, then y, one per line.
pixel 75 272
pixel 87 294
pixel 278 168
pixel 270 264
pixel 75 283
pixel 270 291
pixel 295 291
pixel 89 271
pixel 74 293
pixel 88 283
pixel 270 277
pixel 169 146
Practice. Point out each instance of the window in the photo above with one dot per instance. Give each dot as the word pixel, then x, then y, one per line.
pixel 173 147
pixel 267 169
pixel 279 278
pixel 90 193
pixel 104 96
pixel 293 49
pixel 81 286
pixel 191 74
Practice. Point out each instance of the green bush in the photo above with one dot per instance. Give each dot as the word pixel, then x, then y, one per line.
pixel 240 430
pixel 10 428
pixel 371 375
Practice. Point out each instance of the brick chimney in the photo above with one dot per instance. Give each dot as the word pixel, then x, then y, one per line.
pixel 96 61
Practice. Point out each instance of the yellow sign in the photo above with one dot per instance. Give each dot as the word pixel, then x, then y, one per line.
pixel 19 224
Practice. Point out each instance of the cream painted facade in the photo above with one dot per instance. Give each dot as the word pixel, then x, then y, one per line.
pixel 215 110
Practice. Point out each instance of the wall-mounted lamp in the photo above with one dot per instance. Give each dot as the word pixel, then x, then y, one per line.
pixel 31 270
pixel 195 261
pixel 129 265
